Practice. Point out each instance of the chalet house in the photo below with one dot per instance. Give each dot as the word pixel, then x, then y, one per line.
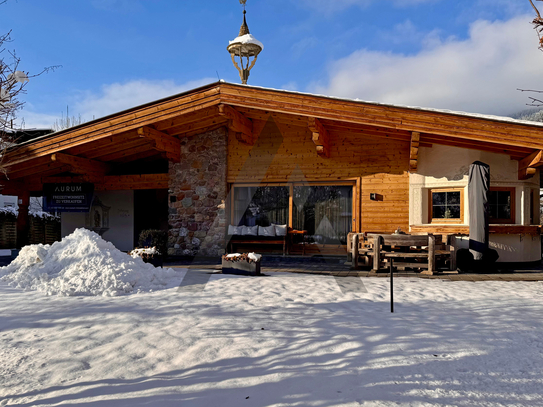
pixel 236 155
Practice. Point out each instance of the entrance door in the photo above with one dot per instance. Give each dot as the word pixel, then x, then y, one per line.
pixel 150 211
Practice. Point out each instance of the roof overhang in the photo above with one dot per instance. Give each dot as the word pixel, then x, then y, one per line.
pixel 153 130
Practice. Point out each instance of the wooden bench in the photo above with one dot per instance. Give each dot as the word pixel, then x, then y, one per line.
pixel 285 241
pixel 414 251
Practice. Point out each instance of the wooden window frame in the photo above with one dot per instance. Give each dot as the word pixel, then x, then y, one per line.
pixel 512 220
pixel 456 221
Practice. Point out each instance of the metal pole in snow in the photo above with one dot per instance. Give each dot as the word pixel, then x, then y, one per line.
pixel 391 285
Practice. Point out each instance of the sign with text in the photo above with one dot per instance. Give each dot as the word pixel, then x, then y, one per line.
pixel 68 197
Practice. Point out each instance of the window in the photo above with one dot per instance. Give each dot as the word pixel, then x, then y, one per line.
pixel 260 206
pixel 326 212
pixel 446 205
pixel 501 204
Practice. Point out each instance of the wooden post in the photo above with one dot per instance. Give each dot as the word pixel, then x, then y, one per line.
pixel 23 221
pixel 391 285
pixel 354 251
pixel 452 246
pixel 377 253
pixel 431 254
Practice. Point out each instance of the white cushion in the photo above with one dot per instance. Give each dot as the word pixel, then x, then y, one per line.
pixel 280 230
pixel 250 231
pixel 234 230
pixel 266 231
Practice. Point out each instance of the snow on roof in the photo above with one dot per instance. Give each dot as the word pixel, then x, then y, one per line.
pixel 246 39
pixel 425 109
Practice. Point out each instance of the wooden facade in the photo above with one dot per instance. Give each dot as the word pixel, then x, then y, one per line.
pixel 273 138
pixel 284 153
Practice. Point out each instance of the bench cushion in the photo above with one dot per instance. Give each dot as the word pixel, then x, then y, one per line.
pixel 262 239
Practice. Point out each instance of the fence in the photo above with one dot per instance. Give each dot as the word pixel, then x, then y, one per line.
pixel 43 229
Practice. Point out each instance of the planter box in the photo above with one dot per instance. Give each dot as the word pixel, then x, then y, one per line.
pixel 157 261
pixel 241 267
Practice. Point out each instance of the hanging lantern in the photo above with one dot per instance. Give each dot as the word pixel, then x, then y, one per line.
pixel 245 49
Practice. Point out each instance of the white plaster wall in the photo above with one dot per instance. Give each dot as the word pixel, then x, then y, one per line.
pixel 121 219
pixel 12 201
pixel 8 200
pixel 447 167
pixel 511 248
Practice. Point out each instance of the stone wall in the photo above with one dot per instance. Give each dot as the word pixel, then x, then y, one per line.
pixel 198 188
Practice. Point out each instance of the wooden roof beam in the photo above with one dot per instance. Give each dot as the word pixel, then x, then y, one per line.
pixel 138 156
pixel 320 137
pixel 200 127
pixel 106 183
pixel 132 182
pixel 527 167
pixel 414 152
pixel 162 142
pixel 80 165
pixel 12 187
pixel 238 125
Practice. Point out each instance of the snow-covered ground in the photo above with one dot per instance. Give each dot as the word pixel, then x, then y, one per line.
pixel 281 340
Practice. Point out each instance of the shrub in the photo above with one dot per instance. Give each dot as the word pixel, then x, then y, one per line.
pixel 154 238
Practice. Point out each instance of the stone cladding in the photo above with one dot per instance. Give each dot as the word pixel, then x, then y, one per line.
pixel 198 191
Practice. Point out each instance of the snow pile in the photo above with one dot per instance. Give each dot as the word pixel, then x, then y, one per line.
pixel 83 264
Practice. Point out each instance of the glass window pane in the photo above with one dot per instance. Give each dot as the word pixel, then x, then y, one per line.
pixel 260 206
pixel 504 212
pixel 500 205
pixel 453 198
pixel 452 212
pixel 504 197
pixel 493 211
pixel 324 211
pixel 492 197
pixel 438 212
pixel 439 198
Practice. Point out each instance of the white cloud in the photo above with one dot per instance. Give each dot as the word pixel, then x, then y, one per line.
pixel 479 74
pixel 115 97
pixel 406 32
pixel 292 85
pixel 111 98
pixel 29 119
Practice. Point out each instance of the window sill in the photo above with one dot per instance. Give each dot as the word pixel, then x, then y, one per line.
pixel 460 229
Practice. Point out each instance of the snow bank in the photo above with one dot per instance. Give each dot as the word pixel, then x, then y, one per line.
pixel 83 264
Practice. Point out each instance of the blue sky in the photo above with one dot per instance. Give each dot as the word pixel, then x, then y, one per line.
pixel 460 55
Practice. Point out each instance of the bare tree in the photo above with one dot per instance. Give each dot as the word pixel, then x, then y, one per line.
pixel 538 24
pixel 65 122
pixel 538 27
pixel 12 86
